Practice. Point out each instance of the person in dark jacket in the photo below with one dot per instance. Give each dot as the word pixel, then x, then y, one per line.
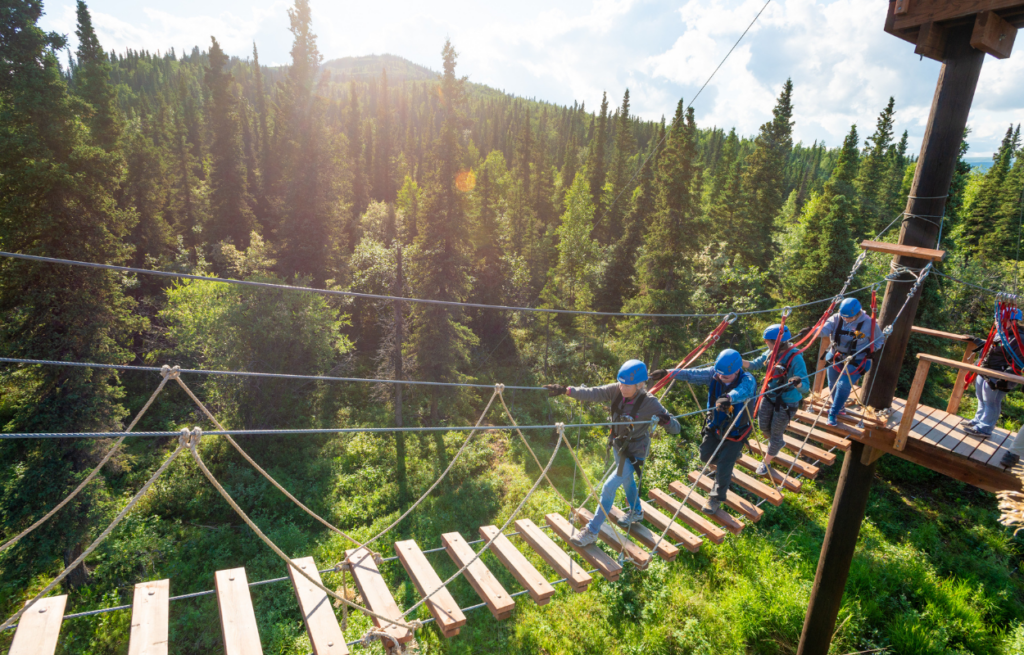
pixel 729 390
pixel 992 391
pixel 638 412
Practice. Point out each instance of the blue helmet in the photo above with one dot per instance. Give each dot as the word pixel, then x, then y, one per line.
pixel 849 308
pixel 1015 314
pixel 632 372
pixel 728 362
pixel 771 333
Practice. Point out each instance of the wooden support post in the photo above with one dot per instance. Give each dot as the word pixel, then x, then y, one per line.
pixel 961 380
pixel 939 152
pixel 993 35
pixel 913 399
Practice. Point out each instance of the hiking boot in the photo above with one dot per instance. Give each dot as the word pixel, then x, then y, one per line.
pixel 712 506
pixel 584 538
pixel 631 517
pixel 1009 460
pixel 975 432
pixel 762 469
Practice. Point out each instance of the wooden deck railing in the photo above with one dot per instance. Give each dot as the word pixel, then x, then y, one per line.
pixel 969 356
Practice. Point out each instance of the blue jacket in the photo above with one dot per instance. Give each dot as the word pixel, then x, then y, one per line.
pixel 745 388
pixel 790 396
pixel 846 340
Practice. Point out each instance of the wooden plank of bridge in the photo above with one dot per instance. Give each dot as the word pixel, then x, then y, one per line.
pixel 322 625
pixel 666 549
pixel 600 560
pixel 732 499
pixel 148 634
pixel 479 576
pixel 800 467
pixel 822 432
pixel 929 429
pixel 639 556
pixel 756 487
pixel 677 533
pixel 39 627
pixel 527 574
pixel 787 482
pixel 986 447
pixel 237 618
pixel 376 594
pixel 575 575
pixel 695 500
pixel 696 521
pixel 442 606
pixel 808 450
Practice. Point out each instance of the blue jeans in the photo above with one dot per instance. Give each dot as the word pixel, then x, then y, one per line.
pixel 841 388
pixel 628 484
pixel 990 403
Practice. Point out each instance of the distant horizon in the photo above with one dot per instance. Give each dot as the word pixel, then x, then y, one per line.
pixel 843 65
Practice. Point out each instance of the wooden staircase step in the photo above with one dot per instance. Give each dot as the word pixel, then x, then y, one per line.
pixel 785 460
pixel 732 499
pixel 823 433
pixel 695 500
pixel 666 549
pixel 639 556
pixel 148 635
pixel 677 533
pixel 756 487
pixel 442 606
pixel 237 618
pixel 39 627
pixel 480 577
pixel 600 560
pixel 317 613
pixel 376 594
pixel 575 575
pixel 695 520
pixel 787 482
pixel 528 576
pixel 808 450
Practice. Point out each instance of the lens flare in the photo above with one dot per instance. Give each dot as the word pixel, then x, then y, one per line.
pixel 465 180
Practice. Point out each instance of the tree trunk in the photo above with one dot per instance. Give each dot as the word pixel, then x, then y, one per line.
pixel 403 483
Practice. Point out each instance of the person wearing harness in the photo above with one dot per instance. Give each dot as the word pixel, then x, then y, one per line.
pixel 787 385
pixel 729 389
pixel 852 333
pixel 991 391
pixel 638 412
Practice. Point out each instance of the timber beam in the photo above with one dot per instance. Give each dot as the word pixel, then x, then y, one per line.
pixel 925 23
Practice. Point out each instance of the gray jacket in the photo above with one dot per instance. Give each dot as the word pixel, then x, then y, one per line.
pixel 640 432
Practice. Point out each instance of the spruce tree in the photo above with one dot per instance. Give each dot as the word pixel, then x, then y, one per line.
pixel 440 338
pixel 979 238
pixel 360 194
pixel 596 163
pixel 871 177
pixel 618 193
pixel 763 182
pixel 57 201
pixel 574 278
pixel 383 176
pixel 232 219
pixel 92 83
pixel 1002 241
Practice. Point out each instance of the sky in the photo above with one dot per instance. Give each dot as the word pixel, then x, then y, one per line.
pixel 843 65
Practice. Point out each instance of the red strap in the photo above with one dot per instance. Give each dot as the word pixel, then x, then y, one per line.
pixel 969 378
pixel 771 364
pixel 694 354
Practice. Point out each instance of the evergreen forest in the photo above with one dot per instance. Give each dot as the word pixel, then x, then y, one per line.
pixel 379 176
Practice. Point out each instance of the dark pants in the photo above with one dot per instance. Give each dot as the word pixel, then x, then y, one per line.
pixel 725 460
pixel 773 422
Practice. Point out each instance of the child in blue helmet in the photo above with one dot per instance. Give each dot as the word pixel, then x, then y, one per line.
pixel 729 389
pixel 991 391
pixel 855 333
pixel 787 385
pixel 637 411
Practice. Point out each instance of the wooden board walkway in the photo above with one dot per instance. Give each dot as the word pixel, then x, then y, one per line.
pixel 575 575
pixel 732 499
pixel 695 520
pixel 600 560
pixel 39 627
pixel 527 574
pixel 317 614
pixel 639 556
pixel 677 533
pixel 695 500
pixel 375 593
pixel 442 606
pixel 499 602
pixel 640 532
pixel 148 634
pixel 237 618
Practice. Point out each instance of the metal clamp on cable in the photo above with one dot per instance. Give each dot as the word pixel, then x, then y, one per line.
pixel 731 317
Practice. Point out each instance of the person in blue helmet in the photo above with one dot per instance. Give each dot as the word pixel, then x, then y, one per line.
pixel 852 333
pixel 729 390
pixel 636 412
pixel 787 386
pixel 991 391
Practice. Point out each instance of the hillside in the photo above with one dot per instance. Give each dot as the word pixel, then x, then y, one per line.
pixel 368 68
